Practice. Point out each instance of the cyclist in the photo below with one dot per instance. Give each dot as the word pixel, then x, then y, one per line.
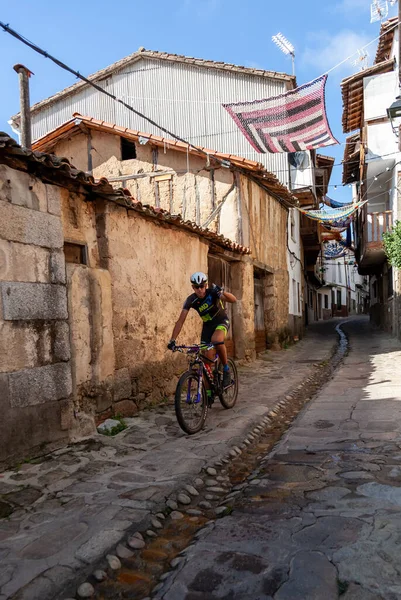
pixel 208 303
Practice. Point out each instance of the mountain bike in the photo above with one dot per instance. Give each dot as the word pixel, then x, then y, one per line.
pixel 191 398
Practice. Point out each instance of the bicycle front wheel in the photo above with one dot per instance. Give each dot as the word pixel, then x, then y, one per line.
pixel 191 411
pixel 228 396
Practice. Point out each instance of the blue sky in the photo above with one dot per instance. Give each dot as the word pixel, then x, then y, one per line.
pixel 90 35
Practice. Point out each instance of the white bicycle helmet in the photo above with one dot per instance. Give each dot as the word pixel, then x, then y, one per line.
pixel 198 278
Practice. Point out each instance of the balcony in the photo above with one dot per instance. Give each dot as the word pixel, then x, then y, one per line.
pixel 371 227
pixel 378 223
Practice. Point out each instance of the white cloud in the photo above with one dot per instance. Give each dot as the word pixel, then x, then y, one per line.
pixel 324 50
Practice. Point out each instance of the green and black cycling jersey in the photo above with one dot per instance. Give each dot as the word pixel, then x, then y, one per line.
pixel 209 308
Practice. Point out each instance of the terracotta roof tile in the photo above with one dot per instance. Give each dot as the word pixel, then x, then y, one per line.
pixel 56 169
pixel 257 170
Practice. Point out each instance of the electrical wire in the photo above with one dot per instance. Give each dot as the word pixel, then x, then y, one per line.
pixel 62 65
pixel 77 74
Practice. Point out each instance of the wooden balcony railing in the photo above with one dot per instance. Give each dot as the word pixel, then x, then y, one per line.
pixel 378 223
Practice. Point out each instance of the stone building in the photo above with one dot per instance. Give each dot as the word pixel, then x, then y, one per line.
pixel 91 281
pixel 238 199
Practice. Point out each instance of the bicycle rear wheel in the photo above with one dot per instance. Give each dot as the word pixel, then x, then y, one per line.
pixel 228 396
pixel 191 413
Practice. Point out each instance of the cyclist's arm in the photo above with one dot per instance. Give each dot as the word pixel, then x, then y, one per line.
pixel 228 297
pixel 179 324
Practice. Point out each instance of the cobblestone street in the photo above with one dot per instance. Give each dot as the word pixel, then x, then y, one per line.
pixel 64 512
pixel 321 517
pixel 238 511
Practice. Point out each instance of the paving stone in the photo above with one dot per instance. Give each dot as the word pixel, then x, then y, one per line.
pixel 86 590
pixel 176 515
pixel 172 504
pixel 114 562
pixel 199 482
pixel 211 471
pixel 123 552
pixel 310 573
pixel 183 499
pixel 191 490
pixel 215 490
pixel 100 575
pixel 136 543
pixel 156 523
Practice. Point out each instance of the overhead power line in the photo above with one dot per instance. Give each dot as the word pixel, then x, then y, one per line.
pixel 77 74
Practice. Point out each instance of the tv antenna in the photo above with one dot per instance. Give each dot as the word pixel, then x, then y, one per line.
pixel 286 47
pixel 378 10
pixel 361 61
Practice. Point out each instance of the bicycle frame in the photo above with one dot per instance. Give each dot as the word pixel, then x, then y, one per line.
pixel 197 358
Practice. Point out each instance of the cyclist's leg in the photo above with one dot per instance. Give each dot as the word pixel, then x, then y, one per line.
pixel 206 338
pixel 218 338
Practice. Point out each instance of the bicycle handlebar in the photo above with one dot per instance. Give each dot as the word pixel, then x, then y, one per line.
pixel 193 349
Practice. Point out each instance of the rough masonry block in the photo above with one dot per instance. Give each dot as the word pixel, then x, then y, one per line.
pixel 23 262
pixel 40 385
pixel 122 384
pixel 25 190
pixel 61 345
pixel 19 224
pixel 57 267
pixel 4 398
pixel 53 200
pixel 28 301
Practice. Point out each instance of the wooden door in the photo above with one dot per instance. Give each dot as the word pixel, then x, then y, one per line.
pixel 260 330
pixel 219 272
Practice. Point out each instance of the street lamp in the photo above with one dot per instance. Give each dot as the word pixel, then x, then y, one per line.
pixel 394 112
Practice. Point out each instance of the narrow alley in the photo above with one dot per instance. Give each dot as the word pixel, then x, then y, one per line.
pixel 237 511
pixel 320 517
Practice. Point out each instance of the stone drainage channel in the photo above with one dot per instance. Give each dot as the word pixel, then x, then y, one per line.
pixel 144 561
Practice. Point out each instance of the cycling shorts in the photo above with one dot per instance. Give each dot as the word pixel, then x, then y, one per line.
pixel 210 327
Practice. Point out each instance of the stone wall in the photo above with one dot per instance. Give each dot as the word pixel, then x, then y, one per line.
pixel 86 339
pixel 248 214
pixel 35 367
pixel 149 267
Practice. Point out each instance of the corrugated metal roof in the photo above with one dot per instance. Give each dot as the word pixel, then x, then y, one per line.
pixel 267 179
pixel 352 94
pixel 54 169
pixel 166 56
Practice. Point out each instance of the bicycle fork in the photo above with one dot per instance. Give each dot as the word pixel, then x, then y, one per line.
pixel 199 392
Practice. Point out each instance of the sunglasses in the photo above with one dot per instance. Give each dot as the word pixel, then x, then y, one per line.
pixel 199 287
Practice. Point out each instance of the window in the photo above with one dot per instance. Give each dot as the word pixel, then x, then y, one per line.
pixel 339 273
pixel 374 289
pixel 293 237
pixel 299 298
pixel 75 253
pixel 338 299
pixel 326 301
pixel 128 149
